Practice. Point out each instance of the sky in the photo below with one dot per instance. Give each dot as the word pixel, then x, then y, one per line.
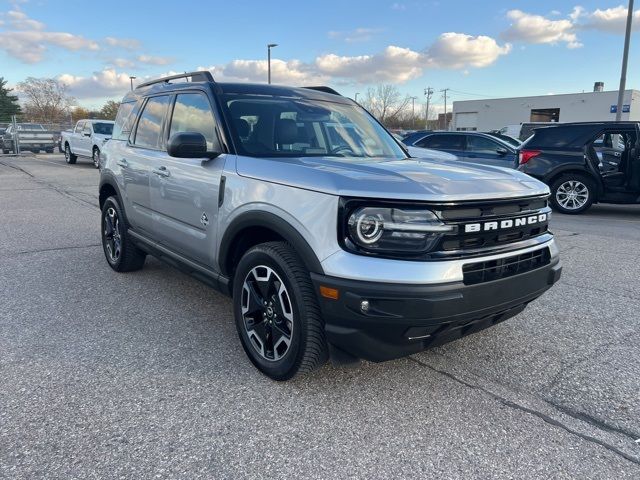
pixel 478 49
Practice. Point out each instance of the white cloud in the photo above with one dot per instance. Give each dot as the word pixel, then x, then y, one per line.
pixel 106 83
pixel 530 28
pixel 608 20
pixel 458 50
pixel 398 6
pixel 121 62
pixel 358 35
pixel 153 60
pixel 29 40
pixel 127 43
pixel 393 64
pixel 292 72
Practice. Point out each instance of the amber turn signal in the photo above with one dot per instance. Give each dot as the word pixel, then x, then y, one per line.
pixel 330 293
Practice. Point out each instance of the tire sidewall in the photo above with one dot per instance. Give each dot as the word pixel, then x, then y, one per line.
pixel 567 178
pixel 67 154
pixel 287 366
pixel 113 202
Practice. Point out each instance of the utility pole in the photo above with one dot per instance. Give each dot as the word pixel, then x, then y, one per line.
pixel 428 92
pixel 625 57
pixel 356 99
pixel 446 124
pixel 413 111
pixel 132 78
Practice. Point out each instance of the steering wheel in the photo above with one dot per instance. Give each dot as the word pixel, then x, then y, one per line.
pixel 342 148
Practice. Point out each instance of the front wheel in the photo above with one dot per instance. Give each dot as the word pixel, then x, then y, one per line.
pixel 96 158
pixel 276 312
pixel 121 253
pixel 68 156
pixel 572 194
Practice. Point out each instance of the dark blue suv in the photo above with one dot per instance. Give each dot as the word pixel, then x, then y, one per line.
pixel 468 146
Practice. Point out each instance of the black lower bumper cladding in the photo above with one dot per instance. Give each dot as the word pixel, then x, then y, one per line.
pixel 398 320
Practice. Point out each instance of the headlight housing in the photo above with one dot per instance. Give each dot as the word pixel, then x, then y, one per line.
pixel 391 231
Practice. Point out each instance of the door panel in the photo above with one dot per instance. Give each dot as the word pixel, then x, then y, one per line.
pixel 184 199
pixel 140 155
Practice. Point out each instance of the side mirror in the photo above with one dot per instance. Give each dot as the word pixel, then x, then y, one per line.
pixel 189 145
pixel 501 151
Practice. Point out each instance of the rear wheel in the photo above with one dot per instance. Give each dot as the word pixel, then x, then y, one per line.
pixel 122 255
pixel 276 311
pixel 572 193
pixel 96 157
pixel 68 156
pixel 49 150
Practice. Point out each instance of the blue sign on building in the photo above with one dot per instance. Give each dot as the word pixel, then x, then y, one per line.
pixel 625 109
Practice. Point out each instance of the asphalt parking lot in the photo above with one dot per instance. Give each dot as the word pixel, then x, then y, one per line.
pixel 141 375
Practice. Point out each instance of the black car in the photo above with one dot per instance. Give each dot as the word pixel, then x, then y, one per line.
pixel 585 163
pixel 474 147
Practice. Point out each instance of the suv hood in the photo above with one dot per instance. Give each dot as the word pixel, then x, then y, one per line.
pixel 406 179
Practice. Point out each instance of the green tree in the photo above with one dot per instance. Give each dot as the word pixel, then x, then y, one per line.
pixel 109 110
pixel 8 103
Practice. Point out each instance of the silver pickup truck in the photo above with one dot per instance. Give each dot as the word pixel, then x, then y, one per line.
pixel 31 137
pixel 86 140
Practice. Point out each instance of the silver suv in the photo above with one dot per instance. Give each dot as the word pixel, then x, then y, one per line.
pixel 330 239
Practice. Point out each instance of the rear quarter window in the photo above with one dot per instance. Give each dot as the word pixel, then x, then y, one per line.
pixel 559 137
pixel 124 120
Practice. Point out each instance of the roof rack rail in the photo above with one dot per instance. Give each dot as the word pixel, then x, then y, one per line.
pixel 323 89
pixel 200 76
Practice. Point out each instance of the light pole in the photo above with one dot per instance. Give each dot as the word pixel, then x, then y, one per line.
pixel 428 92
pixel 625 57
pixel 269 47
pixel 356 98
pixel 132 78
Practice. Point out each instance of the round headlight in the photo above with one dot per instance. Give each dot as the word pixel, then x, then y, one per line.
pixel 369 228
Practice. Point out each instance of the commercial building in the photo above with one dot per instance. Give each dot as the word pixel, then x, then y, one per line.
pixel 494 113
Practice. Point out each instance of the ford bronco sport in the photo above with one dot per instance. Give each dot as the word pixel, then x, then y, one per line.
pixel 331 241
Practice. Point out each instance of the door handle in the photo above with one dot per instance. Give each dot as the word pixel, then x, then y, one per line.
pixel 123 163
pixel 162 171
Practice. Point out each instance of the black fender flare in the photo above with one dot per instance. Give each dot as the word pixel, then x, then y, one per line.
pixel 276 224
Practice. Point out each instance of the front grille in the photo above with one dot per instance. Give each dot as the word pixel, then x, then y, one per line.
pixel 471 222
pixel 480 272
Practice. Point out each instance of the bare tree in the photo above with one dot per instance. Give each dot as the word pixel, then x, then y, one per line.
pixel 385 102
pixel 46 99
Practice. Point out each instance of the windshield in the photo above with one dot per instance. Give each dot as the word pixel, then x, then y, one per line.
pixel 103 128
pixel 280 127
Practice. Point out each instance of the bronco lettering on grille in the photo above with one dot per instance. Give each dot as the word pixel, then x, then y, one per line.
pixel 506 224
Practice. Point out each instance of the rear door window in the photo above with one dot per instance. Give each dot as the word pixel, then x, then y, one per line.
pixel 482 145
pixel 148 132
pixel 442 142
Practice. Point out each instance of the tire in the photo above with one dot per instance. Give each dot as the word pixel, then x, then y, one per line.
pixel 49 150
pixel 68 156
pixel 278 265
pixel 572 193
pixel 5 151
pixel 95 156
pixel 121 253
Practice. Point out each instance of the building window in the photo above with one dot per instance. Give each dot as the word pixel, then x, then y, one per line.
pixel 545 115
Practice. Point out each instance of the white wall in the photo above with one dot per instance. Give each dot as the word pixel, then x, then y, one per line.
pixel 575 107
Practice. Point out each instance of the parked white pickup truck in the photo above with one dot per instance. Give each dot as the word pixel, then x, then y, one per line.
pixel 86 140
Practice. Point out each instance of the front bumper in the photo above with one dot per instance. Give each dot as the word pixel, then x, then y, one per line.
pixel 403 319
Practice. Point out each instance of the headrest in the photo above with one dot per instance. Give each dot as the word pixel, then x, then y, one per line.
pixel 242 126
pixel 286 131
